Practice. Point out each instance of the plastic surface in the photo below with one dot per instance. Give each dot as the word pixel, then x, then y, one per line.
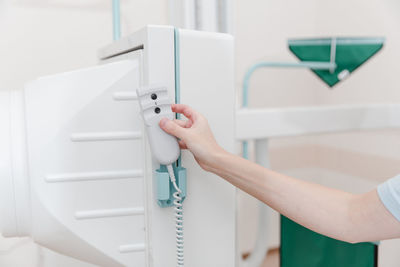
pixel 8 222
pixel 164 187
pixel 207 84
pixel 155 104
pixel 14 184
pixel 85 150
pixel 303 247
pixel 350 54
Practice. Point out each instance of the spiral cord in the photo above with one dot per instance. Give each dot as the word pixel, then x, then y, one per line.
pixel 178 219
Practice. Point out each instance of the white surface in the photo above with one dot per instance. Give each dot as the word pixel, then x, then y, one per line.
pixel 182 13
pixel 41 37
pixel 279 122
pixel 8 222
pixel 209 209
pixel 265 213
pixel 58 107
pixel 79 188
pixel 164 147
pixel 19 164
pixel 158 62
pixel 204 15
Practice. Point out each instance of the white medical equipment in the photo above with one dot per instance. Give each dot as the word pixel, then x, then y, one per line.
pixel 77 174
pixel 155 104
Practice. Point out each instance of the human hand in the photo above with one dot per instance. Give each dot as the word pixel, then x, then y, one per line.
pixel 194 134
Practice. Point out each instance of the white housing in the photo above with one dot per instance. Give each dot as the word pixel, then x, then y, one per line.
pixel 76 171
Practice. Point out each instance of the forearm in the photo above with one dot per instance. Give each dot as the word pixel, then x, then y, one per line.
pixel 335 213
pixel 331 212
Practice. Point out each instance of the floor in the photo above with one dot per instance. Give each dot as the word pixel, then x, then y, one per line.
pixel 272 258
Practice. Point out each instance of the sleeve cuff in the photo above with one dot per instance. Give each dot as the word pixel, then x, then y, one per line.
pixel 389 194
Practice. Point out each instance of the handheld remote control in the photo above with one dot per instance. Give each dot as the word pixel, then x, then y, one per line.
pixel 155 104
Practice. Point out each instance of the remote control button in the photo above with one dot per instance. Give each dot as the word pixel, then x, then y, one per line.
pixel 153 96
pixel 157 110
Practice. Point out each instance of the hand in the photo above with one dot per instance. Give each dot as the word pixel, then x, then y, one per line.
pixel 193 134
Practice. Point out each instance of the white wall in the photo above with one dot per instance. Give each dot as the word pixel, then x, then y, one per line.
pixel 354 161
pixel 41 37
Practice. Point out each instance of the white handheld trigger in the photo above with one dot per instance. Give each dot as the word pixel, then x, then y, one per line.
pixel 155 104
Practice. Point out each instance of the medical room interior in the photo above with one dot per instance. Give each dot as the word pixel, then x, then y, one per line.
pixel 307 89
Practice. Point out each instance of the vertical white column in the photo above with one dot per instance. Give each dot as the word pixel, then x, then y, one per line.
pixel 14 186
pixel 8 225
pixel 19 163
pixel 182 14
pixel 204 15
pixel 259 252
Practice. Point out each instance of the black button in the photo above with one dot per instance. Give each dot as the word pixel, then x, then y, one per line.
pixel 157 110
pixel 153 96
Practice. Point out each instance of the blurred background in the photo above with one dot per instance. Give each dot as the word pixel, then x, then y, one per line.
pixel 41 37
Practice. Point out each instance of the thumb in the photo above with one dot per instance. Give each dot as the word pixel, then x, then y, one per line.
pixel 172 128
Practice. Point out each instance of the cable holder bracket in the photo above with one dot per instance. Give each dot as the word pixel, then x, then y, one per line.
pixel 164 187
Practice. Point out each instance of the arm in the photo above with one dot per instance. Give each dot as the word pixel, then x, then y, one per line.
pixel 341 215
pixel 338 214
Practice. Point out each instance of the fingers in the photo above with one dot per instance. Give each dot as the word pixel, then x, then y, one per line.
pixel 184 124
pixel 175 128
pixel 185 110
pixel 172 128
pixel 181 123
pixel 182 144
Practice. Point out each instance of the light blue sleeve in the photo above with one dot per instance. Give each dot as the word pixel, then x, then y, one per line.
pixel 389 193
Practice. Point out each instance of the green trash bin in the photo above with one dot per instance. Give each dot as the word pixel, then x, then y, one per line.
pixel 301 247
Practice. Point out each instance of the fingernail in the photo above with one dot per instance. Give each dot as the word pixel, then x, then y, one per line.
pixel 163 121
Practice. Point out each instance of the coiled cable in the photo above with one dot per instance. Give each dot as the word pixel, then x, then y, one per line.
pixel 178 218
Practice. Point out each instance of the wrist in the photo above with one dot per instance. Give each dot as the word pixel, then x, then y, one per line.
pixel 217 159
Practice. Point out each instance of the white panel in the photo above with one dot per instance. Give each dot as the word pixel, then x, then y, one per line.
pixel 206 70
pixel 275 122
pixel 7 199
pixel 207 85
pixel 158 63
pixel 206 77
pixel 86 163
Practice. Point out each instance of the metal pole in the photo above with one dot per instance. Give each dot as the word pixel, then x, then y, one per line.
pixel 116 14
pixel 257 256
pixel 252 69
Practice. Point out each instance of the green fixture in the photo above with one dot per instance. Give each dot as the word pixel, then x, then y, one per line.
pixel 303 247
pixel 347 53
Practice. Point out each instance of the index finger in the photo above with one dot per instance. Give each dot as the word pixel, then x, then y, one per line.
pixel 185 110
